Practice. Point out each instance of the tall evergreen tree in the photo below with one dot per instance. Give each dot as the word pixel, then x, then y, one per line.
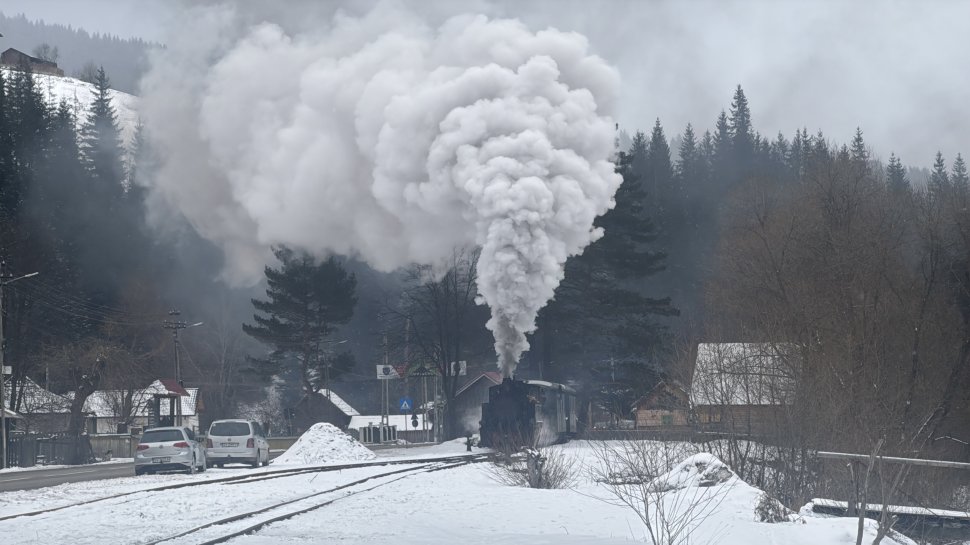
pixel 939 179
pixel 859 153
pixel 742 132
pixel 896 175
pixel 660 171
pixel 306 301
pixel 101 143
pixel 722 164
pixel 959 175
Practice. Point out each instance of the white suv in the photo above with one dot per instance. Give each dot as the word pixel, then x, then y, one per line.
pixel 236 442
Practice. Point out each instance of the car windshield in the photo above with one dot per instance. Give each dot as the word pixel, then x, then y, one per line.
pixel 162 436
pixel 225 429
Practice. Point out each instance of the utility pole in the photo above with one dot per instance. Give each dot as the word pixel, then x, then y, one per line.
pixel 4 280
pixel 175 326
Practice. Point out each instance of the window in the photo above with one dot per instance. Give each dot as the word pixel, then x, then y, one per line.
pixel 667 419
pixel 229 429
pixel 162 436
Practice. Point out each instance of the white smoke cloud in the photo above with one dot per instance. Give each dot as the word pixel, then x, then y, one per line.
pixel 383 138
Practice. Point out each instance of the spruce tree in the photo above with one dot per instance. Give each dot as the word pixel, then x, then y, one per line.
pixel 959 176
pixel 939 179
pixel 742 132
pixel 859 153
pixel 101 143
pixel 660 170
pixel 722 164
pixel 306 301
pixel 896 175
pixel 688 159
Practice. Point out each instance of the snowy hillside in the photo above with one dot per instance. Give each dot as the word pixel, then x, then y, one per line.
pixel 79 95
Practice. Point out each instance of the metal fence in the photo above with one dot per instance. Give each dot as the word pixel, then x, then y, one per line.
pixel 27 450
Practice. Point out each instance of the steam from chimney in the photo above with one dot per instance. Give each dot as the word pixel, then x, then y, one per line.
pixel 391 141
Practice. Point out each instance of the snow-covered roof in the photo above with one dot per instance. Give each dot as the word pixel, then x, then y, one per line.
pixel 402 421
pixel 111 403
pixel 743 374
pixel 492 376
pixel 37 400
pixel 338 402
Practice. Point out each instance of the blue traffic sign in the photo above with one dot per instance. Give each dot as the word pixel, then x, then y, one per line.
pixel 405 404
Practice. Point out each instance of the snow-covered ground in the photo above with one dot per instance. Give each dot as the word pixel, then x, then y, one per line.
pixel 41 468
pixel 466 504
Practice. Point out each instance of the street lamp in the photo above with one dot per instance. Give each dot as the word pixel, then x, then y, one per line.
pixel 3 368
pixel 175 326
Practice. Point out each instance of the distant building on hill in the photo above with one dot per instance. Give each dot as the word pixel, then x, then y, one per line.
pixel 15 59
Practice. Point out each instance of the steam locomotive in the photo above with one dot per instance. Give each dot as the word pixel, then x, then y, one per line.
pixel 528 413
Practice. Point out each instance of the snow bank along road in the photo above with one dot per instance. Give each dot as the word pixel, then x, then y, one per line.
pixel 43 477
pixel 211 510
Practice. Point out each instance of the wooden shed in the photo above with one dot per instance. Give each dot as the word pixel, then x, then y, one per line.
pixel 666 406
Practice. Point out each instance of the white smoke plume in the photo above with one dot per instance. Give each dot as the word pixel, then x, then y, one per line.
pixel 385 138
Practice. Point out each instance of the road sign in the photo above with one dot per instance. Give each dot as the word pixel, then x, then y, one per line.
pixel 459 368
pixel 7 369
pixel 405 404
pixel 386 372
pixel 414 420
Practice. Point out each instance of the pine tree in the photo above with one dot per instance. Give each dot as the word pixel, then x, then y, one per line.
pixel 939 179
pixel 859 153
pixel 959 176
pixel 305 302
pixel 722 165
pixel 742 132
pixel 896 175
pixel 660 170
pixel 689 157
pixel 101 143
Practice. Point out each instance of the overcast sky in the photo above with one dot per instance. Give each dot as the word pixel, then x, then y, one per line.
pixel 900 70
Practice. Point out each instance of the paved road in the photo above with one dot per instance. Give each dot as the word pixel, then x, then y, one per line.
pixel 39 478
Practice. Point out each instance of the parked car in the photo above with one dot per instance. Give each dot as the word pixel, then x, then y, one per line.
pixel 236 441
pixel 167 449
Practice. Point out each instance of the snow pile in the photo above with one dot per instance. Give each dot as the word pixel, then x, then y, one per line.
pixel 324 443
pixel 699 470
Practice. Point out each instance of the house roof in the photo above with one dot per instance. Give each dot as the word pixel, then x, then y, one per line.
pixel 492 376
pixel 743 374
pixel 109 403
pixel 672 384
pixel 338 402
pixel 402 421
pixel 7 413
pixel 37 400
pixel 167 386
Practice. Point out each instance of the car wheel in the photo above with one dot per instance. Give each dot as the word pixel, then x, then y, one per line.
pixel 191 470
pixel 221 465
pixel 256 461
pixel 139 471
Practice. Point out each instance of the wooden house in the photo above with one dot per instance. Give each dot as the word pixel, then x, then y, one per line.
pixel 14 59
pixel 666 406
pixel 469 398
pixel 743 388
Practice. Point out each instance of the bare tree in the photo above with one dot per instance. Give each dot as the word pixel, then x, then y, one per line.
pixel 442 321
pixel 671 488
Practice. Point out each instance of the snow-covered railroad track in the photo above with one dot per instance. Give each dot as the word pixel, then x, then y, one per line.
pixel 288 515
pixel 249 478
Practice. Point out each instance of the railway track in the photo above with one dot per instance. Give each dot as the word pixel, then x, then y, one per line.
pixel 248 478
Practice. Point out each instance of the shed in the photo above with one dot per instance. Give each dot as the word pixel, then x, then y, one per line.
pixel 325 405
pixel 666 406
pixel 14 59
pixel 469 399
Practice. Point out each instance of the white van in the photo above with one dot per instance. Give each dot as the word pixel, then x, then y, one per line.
pixel 236 442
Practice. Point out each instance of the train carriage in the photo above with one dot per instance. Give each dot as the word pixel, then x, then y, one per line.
pixel 521 413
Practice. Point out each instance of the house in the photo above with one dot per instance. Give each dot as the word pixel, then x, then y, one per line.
pixel 324 406
pixel 133 410
pixel 15 59
pixel 469 398
pixel 42 411
pixel 743 388
pixel 666 406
